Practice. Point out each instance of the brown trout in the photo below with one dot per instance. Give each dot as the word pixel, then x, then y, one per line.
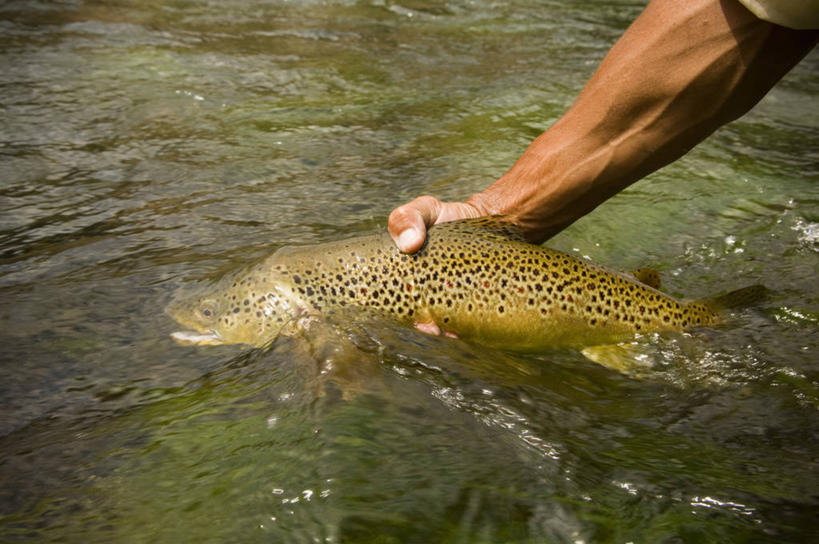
pixel 476 278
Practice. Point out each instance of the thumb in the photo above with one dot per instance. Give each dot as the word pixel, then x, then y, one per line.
pixel 408 223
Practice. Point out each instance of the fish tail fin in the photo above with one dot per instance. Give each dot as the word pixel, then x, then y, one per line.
pixel 745 296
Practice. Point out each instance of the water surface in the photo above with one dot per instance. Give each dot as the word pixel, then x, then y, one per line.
pixel 146 146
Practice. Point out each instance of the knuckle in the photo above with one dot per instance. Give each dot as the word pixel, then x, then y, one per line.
pixel 401 215
pixel 425 203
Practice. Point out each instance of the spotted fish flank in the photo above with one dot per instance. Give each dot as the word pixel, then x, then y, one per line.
pixel 476 278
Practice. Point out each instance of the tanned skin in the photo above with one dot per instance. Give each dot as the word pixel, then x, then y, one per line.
pixel 679 72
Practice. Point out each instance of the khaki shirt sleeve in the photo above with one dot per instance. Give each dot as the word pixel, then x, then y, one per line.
pixel 799 14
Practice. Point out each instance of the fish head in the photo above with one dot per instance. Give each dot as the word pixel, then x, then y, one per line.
pixel 201 314
pixel 233 312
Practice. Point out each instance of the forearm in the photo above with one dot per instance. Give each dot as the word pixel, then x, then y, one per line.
pixel 678 73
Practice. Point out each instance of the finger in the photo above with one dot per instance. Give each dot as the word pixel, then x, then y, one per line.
pixel 408 223
pixel 433 329
pixel 451 211
pixel 428 328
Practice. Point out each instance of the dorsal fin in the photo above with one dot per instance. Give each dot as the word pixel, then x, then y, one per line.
pixel 491 226
pixel 647 276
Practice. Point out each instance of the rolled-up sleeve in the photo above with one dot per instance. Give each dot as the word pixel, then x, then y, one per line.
pixel 800 14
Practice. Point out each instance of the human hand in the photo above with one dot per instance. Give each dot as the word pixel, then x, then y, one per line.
pixel 408 223
pixel 408 226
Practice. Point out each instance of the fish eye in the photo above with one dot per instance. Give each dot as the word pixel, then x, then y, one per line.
pixel 208 310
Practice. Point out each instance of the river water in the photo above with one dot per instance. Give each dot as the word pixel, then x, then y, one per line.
pixel 146 146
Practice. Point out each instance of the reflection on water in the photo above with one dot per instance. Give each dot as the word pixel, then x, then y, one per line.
pixel 148 145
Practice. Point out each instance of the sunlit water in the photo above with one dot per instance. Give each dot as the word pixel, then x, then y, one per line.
pixel 147 145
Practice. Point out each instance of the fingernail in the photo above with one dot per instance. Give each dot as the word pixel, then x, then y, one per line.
pixel 408 239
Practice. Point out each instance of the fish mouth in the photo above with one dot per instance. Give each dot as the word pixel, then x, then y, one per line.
pixel 195 338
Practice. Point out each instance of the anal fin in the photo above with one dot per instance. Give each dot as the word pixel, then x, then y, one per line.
pixel 624 357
